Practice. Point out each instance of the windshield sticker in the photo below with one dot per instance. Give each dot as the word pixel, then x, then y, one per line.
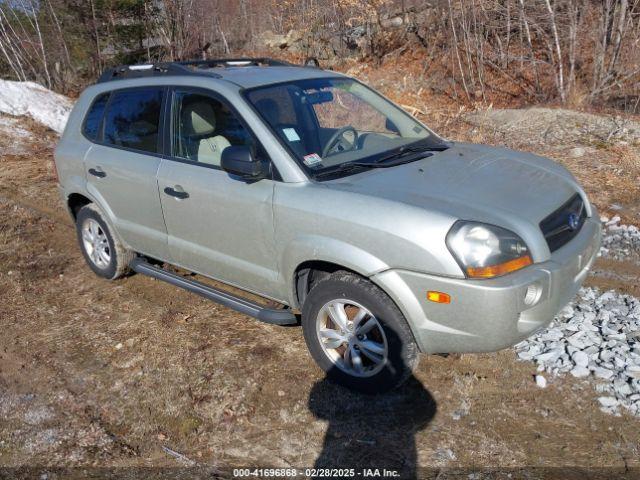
pixel 312 160
pixel 291 134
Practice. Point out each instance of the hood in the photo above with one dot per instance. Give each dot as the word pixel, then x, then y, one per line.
pixel 512 189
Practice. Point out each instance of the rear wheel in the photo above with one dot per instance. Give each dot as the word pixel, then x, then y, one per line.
pixel 103 251
pixel 357 335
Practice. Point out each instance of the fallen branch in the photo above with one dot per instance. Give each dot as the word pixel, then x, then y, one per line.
pixel 179 456
pixel 413 110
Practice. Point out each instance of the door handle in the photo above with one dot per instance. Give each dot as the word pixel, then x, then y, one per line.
pixel 97 172
pixel 176 192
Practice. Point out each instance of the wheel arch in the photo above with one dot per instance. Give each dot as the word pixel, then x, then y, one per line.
pixel 310 272
pixel 75 202
pixel 310 259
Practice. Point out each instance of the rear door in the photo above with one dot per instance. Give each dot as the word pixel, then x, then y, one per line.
pixel 218 225
pixel 122 164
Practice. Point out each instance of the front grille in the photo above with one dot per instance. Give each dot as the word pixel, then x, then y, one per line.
pixel 564 224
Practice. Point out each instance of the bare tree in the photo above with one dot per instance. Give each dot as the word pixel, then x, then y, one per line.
pixel 559 60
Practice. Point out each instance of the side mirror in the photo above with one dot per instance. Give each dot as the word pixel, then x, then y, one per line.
pixel 389 125
pixel 239 161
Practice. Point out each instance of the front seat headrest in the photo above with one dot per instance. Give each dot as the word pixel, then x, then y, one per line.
pixel 199 118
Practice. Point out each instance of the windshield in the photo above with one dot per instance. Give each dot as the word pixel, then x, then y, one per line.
pixel 330 123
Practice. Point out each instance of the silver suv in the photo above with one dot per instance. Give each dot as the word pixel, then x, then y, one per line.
pixel 313 192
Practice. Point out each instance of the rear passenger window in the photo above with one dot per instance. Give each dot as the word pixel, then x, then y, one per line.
pixel 133 119
pixel 94 117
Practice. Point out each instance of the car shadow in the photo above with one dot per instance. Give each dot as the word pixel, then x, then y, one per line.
pixel 371 431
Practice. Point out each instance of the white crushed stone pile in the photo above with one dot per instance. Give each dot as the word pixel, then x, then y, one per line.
pixel 35 101
pixel 597 335
pixel 619 242
pixel 558 126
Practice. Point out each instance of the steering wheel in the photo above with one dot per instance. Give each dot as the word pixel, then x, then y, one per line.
pixel 338 139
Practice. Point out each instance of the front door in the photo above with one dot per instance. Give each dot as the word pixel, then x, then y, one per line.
pixel 121 168
pixel 218 225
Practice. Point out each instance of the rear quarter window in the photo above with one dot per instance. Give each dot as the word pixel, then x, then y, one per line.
pixel 93 119
pixel 133 119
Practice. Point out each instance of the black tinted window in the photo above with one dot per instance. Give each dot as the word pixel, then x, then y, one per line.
pixel 94 117
pixel 133 119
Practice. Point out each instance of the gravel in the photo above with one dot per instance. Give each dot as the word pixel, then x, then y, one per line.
pixel 595 337
pixel 556 126
pixel 619 242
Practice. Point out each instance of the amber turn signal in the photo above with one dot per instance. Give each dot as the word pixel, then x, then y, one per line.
pixel 499 269
pixel 438 297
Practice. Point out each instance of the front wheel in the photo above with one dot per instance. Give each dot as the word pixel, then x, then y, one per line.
pixel 357 335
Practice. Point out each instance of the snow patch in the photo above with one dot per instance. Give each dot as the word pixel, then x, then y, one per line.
pixel 597 335
pixel 14 138
pixel 34 100
pixel 10 127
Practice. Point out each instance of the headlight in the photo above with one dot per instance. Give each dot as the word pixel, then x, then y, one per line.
pixel 486 251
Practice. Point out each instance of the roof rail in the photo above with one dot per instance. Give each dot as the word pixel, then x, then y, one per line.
pixel 189 67
pixel 237 62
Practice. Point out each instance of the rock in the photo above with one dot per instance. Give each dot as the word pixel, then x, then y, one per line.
pixel 393 22
pixel 580 372
pixel 606 355
pixel 577 152
pixel 525 355
pixel 445 454
pixel 576 340
pixel 624 390
pixel 549 356
pixel 551 336
pixel 614 221
pixel 580 358
pixel 273 40
pixel 608 401
pixel 541 381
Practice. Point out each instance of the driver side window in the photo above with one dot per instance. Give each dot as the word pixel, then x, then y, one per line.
pixel 203 128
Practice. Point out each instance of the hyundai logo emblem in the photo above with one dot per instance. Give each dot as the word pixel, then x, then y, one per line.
pixel 573 221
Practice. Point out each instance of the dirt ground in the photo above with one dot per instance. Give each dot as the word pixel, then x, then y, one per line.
pixel 137 373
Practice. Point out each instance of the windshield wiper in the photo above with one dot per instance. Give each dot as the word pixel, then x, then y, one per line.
pixel 346 167
pixel 403 151
pixel 384 162
pixel 351 166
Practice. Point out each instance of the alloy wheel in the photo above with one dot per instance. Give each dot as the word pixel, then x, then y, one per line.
pixel 352 338
pixel 96 243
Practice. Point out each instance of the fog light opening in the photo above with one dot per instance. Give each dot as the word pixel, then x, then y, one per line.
pixel 531 297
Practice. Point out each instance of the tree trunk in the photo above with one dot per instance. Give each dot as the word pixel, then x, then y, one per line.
pixel 556 39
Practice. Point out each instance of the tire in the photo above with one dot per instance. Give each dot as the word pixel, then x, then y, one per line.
pixel 114 262
pixel 387 337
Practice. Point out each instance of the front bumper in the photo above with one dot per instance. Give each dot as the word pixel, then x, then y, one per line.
pixel 489 315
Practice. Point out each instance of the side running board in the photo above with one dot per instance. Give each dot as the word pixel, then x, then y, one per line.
pixel 268 315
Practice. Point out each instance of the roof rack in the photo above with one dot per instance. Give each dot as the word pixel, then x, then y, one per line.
pixel 237 62
pixel 190 67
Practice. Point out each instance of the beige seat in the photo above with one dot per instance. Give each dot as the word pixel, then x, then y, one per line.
pixel 199 123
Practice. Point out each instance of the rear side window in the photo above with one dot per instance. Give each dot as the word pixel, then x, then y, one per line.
pixel 133 119
pixel 94 117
